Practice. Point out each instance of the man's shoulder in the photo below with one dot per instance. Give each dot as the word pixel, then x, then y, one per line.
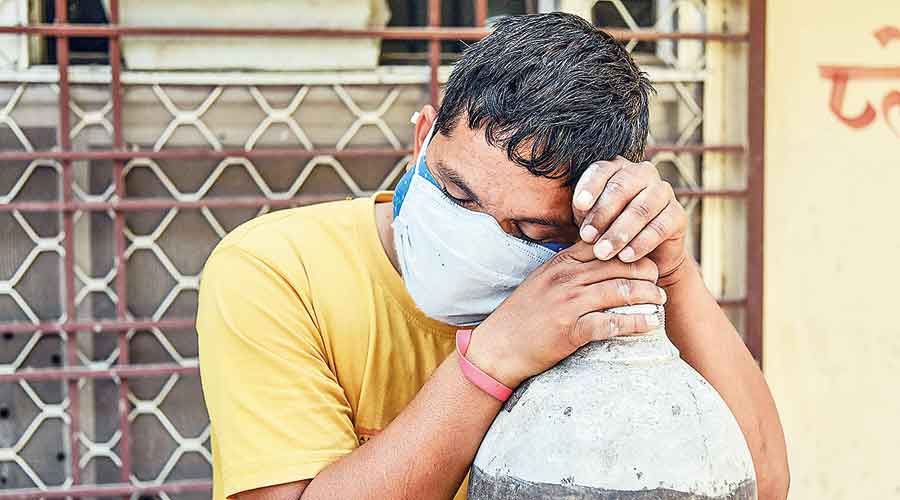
pixel 289 236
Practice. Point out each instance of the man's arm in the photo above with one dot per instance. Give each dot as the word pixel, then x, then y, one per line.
pixel 709 343
pixel 426 451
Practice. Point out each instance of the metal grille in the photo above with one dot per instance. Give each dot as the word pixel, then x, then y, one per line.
pixel 115 185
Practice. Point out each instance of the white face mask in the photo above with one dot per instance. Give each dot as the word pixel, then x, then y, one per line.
pixel 458 265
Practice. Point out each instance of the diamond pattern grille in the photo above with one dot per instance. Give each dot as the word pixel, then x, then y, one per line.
pixel 165 246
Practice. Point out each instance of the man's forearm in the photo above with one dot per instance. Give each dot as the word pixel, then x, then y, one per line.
pixel 424 453
pixel 709 343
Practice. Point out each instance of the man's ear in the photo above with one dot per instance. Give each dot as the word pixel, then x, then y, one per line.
pixel 424 119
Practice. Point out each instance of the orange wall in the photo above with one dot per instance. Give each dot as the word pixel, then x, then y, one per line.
pixel 832 247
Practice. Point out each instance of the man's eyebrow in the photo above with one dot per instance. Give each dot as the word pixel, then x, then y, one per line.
pixel 453 177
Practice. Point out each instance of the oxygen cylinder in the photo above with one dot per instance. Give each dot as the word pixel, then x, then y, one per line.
pixel 621 419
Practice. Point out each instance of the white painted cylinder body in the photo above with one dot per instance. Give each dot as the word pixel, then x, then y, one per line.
pixel 620 419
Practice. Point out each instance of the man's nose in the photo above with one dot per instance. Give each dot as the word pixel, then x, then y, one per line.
pixel 507 224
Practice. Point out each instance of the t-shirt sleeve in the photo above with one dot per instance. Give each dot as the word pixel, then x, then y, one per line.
pixel 278 413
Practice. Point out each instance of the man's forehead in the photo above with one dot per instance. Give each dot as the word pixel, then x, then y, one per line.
pixel 486 174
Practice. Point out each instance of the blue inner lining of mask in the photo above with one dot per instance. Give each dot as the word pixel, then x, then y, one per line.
pixel 403 185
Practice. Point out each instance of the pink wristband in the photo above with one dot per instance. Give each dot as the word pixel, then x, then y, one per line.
pixel 481 380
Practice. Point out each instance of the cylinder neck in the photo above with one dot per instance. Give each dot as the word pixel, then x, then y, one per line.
pixel 650 347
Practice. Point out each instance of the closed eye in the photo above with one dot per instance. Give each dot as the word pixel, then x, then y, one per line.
pixel 450 176
pixel 459 201
pixel 541 231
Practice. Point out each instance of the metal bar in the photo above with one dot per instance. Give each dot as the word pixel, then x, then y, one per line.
pixel 74 374
pixel 166 203
pixel 434 51
pixel 694 149
pixel 200 153
pixel 99 327
pixel 737 302
pixel 106 490
pixel 65 143
pixel 116 90
pixel 252 202
pixel 481 11
pixel 756 96
pixel 393 33
pixel 121 285
pixel 380 75
pixel 709 193
pixel 96 326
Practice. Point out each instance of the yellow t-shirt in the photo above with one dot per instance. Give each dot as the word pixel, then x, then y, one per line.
pixel 309 343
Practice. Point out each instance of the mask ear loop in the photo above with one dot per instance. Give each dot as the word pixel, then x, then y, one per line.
pixel 420 160
pixel 414 119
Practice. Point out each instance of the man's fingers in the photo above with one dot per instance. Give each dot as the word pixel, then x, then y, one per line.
pixel 669 222
pixel 637 214
pixel 595 271
pixel 618 292
pixel 617 193
pixel 580 252
pixel 602 326
pixel 591 184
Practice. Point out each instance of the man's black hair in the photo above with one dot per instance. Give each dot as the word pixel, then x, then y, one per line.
pixel 552 90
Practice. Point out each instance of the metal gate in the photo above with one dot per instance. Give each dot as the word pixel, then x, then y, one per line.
pixel 103 239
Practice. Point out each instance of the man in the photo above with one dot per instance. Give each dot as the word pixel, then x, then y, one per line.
pixel 328 374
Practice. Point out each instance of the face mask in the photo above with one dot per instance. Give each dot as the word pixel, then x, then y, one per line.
pixel 458 265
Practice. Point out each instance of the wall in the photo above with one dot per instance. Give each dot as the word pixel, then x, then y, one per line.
pixel 832 240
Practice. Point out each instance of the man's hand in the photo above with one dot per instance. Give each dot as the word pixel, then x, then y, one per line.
pixel 559 308
pixel 626 209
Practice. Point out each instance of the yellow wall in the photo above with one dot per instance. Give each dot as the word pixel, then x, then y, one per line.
pixel 832 250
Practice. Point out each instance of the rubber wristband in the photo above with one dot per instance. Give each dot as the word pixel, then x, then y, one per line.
pixel 481 380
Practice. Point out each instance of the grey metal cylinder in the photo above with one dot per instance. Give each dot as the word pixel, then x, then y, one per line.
pixel 623 419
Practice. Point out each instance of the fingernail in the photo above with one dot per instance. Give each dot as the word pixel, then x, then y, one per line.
pixel 662 293
pixel 589 233
pixel 585 177
pixel 627 254
pixel 603 249
pixel 653 320
pixel 583 200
